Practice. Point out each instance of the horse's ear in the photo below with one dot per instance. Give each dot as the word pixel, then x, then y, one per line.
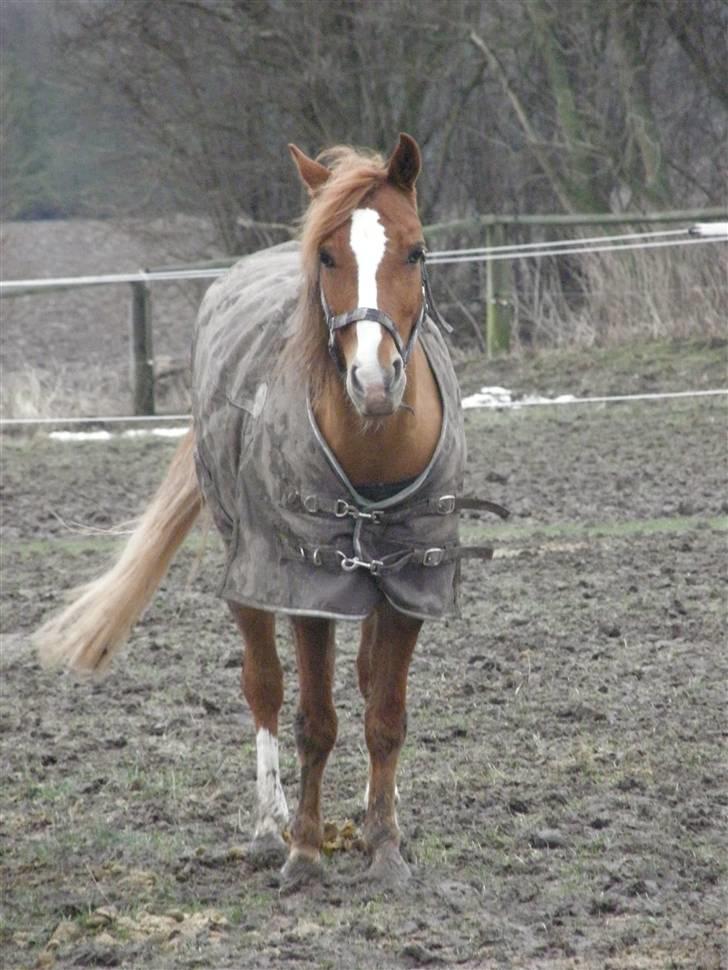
pixel 405 164
pixel 313 174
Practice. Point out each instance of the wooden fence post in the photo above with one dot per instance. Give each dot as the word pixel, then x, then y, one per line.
pixel 498 309
pixel 142 358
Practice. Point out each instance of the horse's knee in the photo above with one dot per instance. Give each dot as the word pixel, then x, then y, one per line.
pixel 268 681
pixel 263 689
pixel 315 732
pixel 385 733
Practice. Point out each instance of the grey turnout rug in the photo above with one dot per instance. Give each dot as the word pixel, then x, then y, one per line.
pixel 299 537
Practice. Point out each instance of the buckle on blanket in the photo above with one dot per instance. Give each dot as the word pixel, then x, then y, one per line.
pixel 350 563
pixel 433 557
pixel 342 508
pixel 446 504
pixel 310 504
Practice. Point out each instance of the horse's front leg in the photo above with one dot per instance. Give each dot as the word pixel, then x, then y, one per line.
pixel 388 648
pixel 316 725
pixel 262 684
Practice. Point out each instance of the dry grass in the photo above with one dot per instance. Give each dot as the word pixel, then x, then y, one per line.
pixel 38 393
pixel 608 298
pixel 595 299
pixel 75 391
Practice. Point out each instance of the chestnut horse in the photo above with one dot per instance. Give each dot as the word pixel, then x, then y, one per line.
pixel 363 345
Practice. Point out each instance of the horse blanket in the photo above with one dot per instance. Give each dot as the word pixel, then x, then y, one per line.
pixel 300 538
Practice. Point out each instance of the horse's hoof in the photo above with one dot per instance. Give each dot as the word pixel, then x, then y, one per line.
pixel 267 851
pixel 387 870
pixel 298 872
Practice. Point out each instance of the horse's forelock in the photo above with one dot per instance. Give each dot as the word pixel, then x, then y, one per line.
pixel 354 176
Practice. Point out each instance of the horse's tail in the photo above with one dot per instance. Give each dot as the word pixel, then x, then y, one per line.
pixel 95 625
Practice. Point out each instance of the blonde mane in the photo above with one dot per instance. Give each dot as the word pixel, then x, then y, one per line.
pixel 355 175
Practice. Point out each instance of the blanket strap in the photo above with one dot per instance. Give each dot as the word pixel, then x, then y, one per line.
pixel 332 558
pixel 442 505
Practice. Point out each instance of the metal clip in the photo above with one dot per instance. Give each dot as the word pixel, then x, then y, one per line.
pixel 350 563
pixel 433 557
pixel 343 508
pixel 446 504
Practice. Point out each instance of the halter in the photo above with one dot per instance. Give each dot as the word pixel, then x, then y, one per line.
pixel 337 321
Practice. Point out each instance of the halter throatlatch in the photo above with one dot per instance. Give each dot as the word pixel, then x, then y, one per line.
pixel 337 321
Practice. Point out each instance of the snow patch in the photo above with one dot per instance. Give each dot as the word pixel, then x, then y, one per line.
pixel 501 397
pixel 107 435
pixel 80 435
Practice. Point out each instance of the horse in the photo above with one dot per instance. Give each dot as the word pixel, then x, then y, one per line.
pixel 328 444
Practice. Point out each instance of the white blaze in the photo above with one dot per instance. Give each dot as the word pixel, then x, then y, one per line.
pixel 368 241
pixel 272 807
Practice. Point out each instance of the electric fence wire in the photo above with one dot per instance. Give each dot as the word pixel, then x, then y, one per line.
pixel 593 244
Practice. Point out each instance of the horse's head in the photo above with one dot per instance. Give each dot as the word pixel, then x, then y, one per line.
pixel 370 278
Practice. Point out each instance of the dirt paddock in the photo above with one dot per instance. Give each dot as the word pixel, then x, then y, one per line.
pixel 563 785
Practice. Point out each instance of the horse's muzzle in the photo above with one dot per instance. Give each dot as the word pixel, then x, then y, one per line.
pixel 379 397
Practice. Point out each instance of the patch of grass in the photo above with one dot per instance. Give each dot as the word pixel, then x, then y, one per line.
pixel 618 528
pixel 625 367
pixel 255 904
pixel 50 792
pixel 82 546
pixel 430 850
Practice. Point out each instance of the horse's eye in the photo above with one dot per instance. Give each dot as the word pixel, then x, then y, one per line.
pixel 416 255
pixel 327 259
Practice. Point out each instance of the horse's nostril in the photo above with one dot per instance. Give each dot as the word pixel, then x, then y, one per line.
pixel 356 383
pixel 397 366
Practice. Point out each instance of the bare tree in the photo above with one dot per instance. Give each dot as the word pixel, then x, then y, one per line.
pixel 589 86
pixel 532 105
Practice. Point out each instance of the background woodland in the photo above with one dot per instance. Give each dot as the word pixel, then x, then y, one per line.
pixel 131 107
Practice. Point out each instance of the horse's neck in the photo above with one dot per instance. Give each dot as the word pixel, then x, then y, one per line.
pixel 391 449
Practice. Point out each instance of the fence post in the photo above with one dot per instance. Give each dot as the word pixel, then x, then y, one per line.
pixel 142 359
pixel 498 296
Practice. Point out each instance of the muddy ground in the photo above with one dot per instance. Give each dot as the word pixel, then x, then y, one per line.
pixel 563 784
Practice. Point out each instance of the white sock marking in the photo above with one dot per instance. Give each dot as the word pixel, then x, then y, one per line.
pixel 272 807
pixel 368 242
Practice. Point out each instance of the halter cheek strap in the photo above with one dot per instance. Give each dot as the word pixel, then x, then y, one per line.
pixel 338 321
pixel 429 303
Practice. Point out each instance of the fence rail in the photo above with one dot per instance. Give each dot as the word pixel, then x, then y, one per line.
pixel 496 254
pixel 576 219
